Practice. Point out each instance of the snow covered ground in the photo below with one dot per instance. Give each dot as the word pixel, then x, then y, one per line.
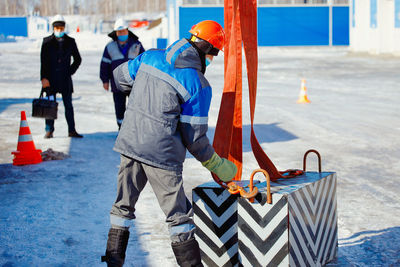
pixel 56 213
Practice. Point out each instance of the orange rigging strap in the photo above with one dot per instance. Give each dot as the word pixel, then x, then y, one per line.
pixel 240 14
pixel 228 132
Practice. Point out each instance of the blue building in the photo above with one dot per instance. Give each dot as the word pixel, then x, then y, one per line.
pixel 13 26
pixel 280 22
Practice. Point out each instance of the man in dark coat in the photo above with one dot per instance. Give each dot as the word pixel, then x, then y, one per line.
pixel 124 46
pixel 56 71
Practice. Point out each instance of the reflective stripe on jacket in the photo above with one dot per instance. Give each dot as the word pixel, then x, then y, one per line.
pixel 168 106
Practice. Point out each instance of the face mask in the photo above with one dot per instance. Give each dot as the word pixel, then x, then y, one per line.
pixel 208 61
pixel 59 34
pixel 123 38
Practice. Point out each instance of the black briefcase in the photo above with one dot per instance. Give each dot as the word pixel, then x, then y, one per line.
pixel 43 107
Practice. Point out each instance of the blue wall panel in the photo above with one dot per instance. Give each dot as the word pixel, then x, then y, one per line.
pixel 293 26
pixel 340 25
pixel 189 16
pixel 15 26
pixel 281 26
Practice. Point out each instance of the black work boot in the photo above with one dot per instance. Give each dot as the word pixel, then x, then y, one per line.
pixel 187 253
pixel 116 247
pixel 49 134
pixel 74 134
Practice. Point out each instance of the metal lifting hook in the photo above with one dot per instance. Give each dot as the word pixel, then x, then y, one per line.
pixel 233 188
pixel 305 159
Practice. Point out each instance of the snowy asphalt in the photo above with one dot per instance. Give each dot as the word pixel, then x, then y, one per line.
pixel 56 213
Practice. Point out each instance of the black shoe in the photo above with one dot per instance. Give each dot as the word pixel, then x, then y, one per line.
pixel 74 134
pixel 116 247
pixel 48 135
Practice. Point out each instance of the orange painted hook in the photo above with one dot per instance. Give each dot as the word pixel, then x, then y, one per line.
pixel 268 180
pixel 233 188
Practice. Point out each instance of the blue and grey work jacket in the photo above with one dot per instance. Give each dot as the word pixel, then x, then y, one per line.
pixel 168 106
pixel 114 55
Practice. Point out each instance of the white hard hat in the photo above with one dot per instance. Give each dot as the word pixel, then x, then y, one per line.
pixel 120 24
pixel 58 20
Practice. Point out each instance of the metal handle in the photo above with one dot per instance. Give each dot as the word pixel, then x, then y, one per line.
pixel 305 159
pixel 253 191
pixel 268 180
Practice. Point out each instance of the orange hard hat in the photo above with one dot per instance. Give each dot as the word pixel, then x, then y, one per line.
pixel 211 32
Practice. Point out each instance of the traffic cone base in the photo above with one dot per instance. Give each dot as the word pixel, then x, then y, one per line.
pixel 303 99
pixel 303 93
pixel 26 151
pixel 27 158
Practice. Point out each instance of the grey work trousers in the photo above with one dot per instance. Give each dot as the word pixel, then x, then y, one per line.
pixel 168 188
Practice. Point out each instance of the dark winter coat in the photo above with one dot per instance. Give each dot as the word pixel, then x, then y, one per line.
pixel 168 106
pixel 55 57
pixel 114 55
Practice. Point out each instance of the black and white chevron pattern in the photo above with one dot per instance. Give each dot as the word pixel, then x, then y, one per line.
pixel 215 217
pixel 313 232
pixel 263 232
pixel 299 228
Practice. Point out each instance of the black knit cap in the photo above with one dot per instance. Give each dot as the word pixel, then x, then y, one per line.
pixel 59 24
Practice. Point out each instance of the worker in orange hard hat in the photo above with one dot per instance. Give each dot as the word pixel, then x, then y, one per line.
pixel 211 32
pixel 167 114
pixel 209 37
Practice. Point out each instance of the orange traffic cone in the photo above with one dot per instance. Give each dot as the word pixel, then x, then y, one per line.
pixel 26 151
pixel 77 29
pixel 303 93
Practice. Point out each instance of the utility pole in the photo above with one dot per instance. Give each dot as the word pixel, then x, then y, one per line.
pixel 330 3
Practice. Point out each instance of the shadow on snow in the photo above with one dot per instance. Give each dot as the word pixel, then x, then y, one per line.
pixel 370 248
pixel 6 102
pixel 57 212
pixel 265 133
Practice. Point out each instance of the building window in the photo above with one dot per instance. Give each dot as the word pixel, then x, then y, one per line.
pixel 397 13
pixel 373 14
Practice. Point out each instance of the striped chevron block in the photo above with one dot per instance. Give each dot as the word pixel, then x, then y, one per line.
pixel 299 228
pixel 263 232
pixel 215 217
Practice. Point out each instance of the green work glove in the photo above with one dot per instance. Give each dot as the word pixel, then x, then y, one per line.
pixel 223 168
